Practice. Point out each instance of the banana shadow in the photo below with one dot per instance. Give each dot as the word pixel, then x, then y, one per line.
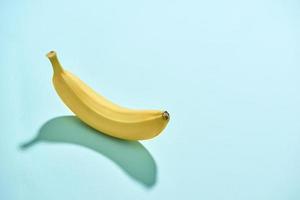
pixel 131 156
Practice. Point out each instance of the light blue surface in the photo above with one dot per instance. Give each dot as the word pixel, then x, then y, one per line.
pixel 227 71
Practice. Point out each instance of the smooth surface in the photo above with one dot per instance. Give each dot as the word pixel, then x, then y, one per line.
pixel 100 113
pixel 228 72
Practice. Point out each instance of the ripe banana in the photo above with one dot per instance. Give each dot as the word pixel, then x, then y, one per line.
pixel 101 114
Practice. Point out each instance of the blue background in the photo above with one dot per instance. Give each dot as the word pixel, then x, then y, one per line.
pixel 227 71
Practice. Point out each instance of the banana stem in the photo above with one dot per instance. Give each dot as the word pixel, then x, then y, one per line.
pixel 57 68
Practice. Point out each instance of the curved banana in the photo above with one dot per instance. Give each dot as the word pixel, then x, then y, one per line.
pixel 101 114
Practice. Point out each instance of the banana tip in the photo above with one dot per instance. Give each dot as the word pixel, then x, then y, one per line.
pixel 166 115
pixel 51 54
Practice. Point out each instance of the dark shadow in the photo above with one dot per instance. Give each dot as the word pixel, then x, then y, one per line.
pixel 131 156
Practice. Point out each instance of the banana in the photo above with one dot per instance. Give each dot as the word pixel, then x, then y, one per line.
pixel 100 113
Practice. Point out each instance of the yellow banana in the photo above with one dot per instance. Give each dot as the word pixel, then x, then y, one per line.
pixel 100 113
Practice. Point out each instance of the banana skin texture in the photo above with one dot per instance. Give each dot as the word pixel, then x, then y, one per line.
pixel 100 113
